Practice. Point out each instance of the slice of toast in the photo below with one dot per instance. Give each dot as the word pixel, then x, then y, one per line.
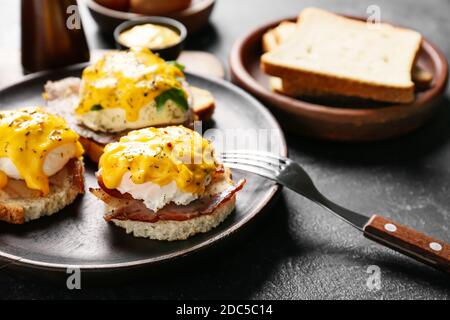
pixel 62 97
pixel 292 89
pixel 19 204
pixel 330 54
pixel 204 104
pixel 171 230
pixel 273 38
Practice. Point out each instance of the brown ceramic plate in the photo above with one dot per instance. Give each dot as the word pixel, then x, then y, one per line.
pixel 79 237
pixel 333 121
pixel 194 18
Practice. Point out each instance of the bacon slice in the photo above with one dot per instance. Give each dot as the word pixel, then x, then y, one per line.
pixel 131 209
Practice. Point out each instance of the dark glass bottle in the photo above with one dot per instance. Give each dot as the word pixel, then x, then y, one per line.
pixel 52 35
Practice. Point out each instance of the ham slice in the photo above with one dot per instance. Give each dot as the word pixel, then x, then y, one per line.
pixel 131 209
pixel 17 189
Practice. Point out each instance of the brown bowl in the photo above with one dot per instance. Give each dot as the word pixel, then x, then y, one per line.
pixel 346 122
pixel 194 18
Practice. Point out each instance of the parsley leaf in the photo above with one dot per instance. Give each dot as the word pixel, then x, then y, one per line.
pixel 176 95
pixel 96 107
pixel 177 64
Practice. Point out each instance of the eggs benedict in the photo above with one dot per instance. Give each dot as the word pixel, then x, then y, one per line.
pixel 126 90
pixel 165 184
pixel 132 89
pixel 41 168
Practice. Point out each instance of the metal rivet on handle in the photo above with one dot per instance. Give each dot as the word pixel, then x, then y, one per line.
pixel 435 246
pixel 390 227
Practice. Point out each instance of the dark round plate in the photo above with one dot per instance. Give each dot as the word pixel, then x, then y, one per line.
pixel 79 237
pixel 342 122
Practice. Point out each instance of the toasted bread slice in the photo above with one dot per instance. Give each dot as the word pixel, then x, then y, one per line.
pixel 334 54
pixel 171 230
pixel 286 87
pixel 19 204
pixel 273 38
pixel 62 97
pixel 178 230
pixel 422 78
pixel 204 104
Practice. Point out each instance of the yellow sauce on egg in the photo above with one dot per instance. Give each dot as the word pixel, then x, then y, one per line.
pixel 26 137
pixel 160 156
pixel 150 36
pixel 128 80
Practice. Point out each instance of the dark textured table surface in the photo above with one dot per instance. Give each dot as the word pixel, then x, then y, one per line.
pixel 296 250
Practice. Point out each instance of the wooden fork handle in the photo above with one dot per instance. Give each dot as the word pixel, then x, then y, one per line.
pixel 407 241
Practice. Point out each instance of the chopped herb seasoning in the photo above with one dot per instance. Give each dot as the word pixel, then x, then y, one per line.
pixel 96 107
pixel 178 65
pixel 178 96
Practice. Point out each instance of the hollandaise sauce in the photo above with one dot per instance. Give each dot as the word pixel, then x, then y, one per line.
pixel 150 36
pixel 26 137
pixel 160 156
pixel 128 80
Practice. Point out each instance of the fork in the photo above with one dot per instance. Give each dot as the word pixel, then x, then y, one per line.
pixel 290 174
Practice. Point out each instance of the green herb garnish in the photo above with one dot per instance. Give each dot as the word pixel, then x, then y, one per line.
pixel 96 107
pixel 176 95
pixel 177 64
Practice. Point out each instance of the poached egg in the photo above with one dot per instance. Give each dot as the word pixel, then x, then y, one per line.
pixel 130 90
pixel 159 166
pixel 35 145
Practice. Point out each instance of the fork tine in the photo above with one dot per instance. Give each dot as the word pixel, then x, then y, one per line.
pixel 259 171
pixel 271 161
pixel 257 153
